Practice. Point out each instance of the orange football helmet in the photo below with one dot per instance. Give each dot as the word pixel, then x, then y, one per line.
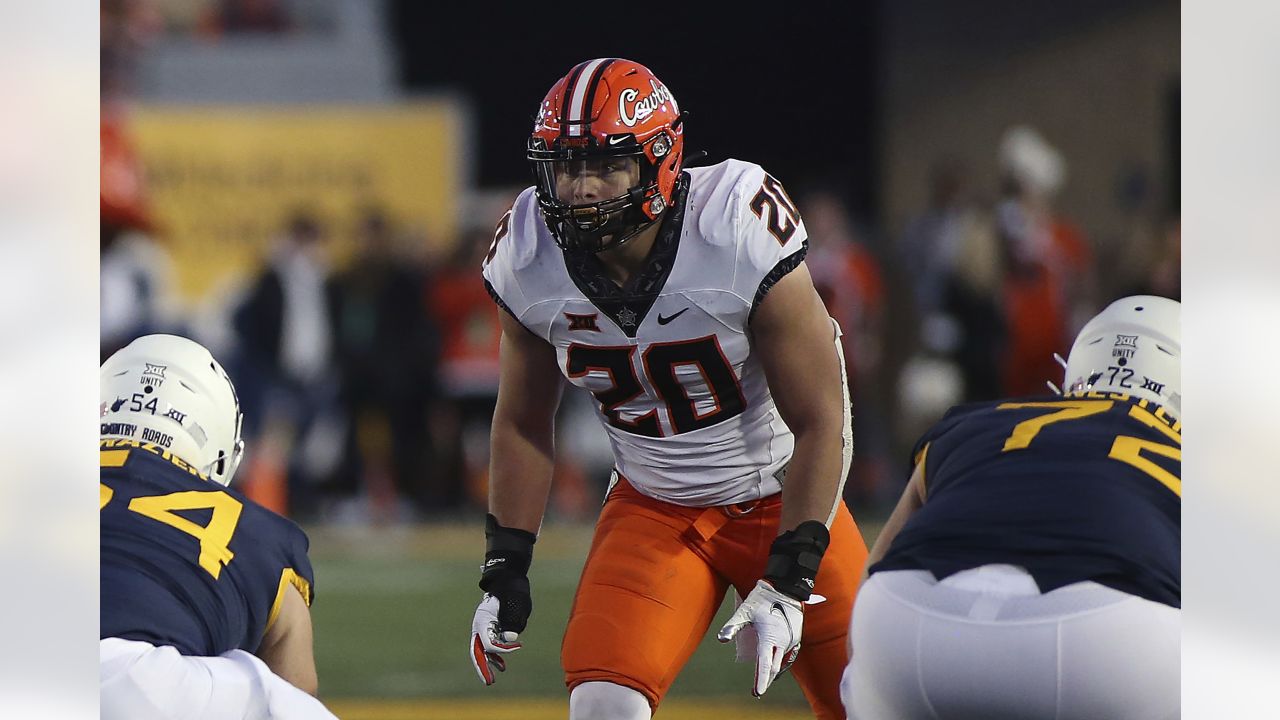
pixel 607 108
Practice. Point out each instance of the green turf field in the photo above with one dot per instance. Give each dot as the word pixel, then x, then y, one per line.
pixel 392 621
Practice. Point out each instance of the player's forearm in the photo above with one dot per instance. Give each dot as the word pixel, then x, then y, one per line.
pixel 520 474
pixel 815 476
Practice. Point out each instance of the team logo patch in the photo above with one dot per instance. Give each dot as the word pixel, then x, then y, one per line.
pixel 582 322
pixel 153 375
pixel 1124 347
pixel 1152 385
pixel 627 317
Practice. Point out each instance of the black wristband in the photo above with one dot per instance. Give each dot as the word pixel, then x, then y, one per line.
pixel 794 558
pixel 508 552
pixel 505 575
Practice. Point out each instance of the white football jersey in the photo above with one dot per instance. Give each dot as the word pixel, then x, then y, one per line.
pixel 682 397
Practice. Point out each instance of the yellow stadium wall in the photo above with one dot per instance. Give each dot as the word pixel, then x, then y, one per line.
pixel 222 180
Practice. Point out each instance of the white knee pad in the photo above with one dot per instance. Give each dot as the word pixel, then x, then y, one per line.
pixel 607 701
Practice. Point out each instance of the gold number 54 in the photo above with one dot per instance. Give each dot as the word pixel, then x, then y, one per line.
pixel 214 537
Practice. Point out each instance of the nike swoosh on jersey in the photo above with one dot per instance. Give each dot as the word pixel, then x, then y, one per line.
pixel 664 320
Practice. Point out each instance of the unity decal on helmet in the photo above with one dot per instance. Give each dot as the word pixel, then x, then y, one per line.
pixel 153 376
pixel 1124 348
pixel 643 108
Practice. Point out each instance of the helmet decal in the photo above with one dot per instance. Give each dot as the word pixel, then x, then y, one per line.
pixel 585 78
pixel 153 376
pixel 645 106
pixel 1134 347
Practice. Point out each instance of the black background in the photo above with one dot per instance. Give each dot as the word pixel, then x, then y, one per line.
pixel 794 92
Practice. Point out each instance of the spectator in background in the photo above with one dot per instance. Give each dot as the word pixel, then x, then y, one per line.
pixel 973 301
pixel 287 366
pixel 933 239
pixel 467 320
pixel 962 356
pixel 1164 277
pixel 125 28
pixel 469 333
pixel 1049 263
pixel 951 253
pixel 1148 255
pixel 849 281
pixel 386 349
pixel 135 271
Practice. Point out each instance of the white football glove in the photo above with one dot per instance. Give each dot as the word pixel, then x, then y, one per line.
pixel 775 620
pixel 488 644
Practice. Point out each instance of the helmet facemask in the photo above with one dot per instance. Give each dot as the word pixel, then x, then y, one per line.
pixel 609 222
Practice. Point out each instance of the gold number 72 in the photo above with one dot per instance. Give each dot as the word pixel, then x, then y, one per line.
pixel 1125 448
pixel 1026 431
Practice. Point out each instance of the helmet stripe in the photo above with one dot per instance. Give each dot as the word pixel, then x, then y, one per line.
pixel 567 92
pixel 594 84
pixel 578 96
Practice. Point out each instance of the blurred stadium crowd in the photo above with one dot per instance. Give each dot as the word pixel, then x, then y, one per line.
pixel 368 377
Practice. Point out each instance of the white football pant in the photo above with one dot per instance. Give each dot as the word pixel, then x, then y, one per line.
pixel 607 701
pixel 140 681
pixel 985 644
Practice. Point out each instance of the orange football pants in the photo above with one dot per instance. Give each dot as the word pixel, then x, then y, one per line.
pixel 656 575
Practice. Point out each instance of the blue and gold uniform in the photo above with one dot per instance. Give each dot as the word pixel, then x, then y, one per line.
pixel 187 562
pixel 1082 487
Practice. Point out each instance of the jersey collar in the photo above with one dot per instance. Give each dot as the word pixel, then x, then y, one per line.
pixel 627 306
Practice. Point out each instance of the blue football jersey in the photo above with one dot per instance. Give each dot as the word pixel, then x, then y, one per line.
pixel 187 562
pixel 1084 487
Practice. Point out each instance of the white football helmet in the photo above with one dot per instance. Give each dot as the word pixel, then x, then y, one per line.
pixel 1134 346
pixel 169 391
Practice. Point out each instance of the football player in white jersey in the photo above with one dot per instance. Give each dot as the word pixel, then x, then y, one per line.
pixel 679 298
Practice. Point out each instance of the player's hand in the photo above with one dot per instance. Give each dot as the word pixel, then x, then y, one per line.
pixel 776 620
pixel 491 638
pixel 505 608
